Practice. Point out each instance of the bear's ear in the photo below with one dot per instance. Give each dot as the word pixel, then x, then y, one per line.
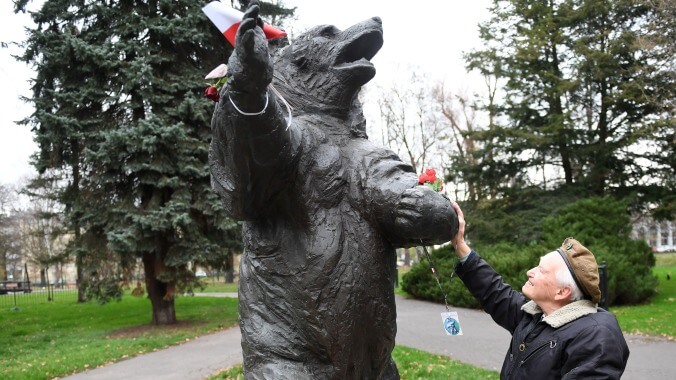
pixel 277 48
pixel 298 56
pixel 300 62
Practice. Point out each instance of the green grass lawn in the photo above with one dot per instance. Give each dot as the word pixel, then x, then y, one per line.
pixel 416 364
pixel 657 316
pixel 213 286
pixel 412 364
pixel 46 340
pixel 665 259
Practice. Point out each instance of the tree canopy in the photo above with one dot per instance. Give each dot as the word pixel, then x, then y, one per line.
pixel 121 117
pixel 586 101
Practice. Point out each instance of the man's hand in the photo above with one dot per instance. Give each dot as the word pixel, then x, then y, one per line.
pixel 461 248
pixel 250 64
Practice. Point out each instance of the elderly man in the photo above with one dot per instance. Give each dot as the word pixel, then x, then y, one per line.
pixel 560 332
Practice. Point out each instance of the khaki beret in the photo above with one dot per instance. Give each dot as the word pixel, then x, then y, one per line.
pixel 582 264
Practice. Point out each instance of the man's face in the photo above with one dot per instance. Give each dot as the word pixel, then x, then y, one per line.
pixel 542 286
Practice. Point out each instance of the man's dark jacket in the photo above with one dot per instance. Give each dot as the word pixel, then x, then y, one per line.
pixel 578 341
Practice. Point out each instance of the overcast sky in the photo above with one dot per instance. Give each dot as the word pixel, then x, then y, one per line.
pixel 432 37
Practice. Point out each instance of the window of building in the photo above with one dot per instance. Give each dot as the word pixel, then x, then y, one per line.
pixel 652 236
pixel 665 231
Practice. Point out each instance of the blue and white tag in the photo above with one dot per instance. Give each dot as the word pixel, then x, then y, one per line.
pixel 451 323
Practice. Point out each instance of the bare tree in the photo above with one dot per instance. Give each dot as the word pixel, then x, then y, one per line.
pixel 461 117
pixel 41 233
pixel 408 124
pixel 6 202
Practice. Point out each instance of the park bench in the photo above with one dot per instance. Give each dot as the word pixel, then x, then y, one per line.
pixel 15 287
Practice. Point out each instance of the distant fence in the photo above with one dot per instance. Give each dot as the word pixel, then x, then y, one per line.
pixel 25 293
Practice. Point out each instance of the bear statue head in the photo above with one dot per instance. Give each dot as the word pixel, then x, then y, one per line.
pixel 324 68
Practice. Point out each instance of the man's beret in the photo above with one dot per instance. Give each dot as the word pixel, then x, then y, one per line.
pixel 582 265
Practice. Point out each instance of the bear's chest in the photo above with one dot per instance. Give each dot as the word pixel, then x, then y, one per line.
pixel 323 177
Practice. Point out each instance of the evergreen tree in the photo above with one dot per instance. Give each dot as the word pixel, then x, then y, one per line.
pixel 119 109
pixel 585 93
pixel 69 93
pixel 621 93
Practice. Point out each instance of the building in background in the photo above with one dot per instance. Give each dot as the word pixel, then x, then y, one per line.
pixel 658 234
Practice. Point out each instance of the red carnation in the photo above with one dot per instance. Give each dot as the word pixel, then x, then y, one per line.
pixel 212 93
pixel 431 174
pixel 429 179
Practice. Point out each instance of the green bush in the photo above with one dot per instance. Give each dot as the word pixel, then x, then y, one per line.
pixel 600 224
pixel 507 259
pixel 603 225
pixel 515 219
pixel 419 282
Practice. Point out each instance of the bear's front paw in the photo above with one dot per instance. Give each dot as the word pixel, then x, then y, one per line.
pixel 250 65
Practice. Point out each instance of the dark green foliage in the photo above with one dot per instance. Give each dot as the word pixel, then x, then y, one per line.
pixel 510 260
pixel 600 224
pixel 585 110
pixel 273 12
pixel 120 116
pixel 603 225
pixel 420 283
pixel 516 218
pixel 104 290
pixel 588 87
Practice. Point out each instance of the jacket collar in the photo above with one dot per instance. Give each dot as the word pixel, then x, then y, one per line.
pixel 566 314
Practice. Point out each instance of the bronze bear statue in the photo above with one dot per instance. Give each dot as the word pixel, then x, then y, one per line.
pixel 322 208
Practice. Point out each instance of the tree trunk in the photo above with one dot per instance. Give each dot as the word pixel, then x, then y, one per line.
pixel 161 294
pixel 78 281
pixel 566 162
pixel 599 164
pixel 229 268
pixel 556 113
pixel 3 265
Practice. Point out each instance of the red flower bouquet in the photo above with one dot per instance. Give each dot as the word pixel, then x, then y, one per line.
pixel 429 179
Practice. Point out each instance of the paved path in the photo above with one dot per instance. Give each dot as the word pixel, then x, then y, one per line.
pixel 483 344
pixel 195 359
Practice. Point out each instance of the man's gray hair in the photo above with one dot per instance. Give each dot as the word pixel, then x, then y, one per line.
pixel 565 278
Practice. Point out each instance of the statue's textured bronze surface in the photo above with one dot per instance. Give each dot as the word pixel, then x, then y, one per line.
pixel 322 207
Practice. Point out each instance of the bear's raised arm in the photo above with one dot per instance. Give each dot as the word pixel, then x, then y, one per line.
pixel 253 150
pixel 408 214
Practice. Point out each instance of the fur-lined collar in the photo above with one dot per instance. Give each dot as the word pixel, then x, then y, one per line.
pixel 560 317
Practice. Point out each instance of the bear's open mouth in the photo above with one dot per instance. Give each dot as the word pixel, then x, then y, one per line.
pixel 360 50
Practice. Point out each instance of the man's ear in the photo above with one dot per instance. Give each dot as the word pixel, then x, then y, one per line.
pixel 563 293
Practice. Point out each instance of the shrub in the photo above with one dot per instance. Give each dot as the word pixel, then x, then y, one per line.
pixel 420 283
pixel 600 224
pixel 507 259
pixel 517 218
